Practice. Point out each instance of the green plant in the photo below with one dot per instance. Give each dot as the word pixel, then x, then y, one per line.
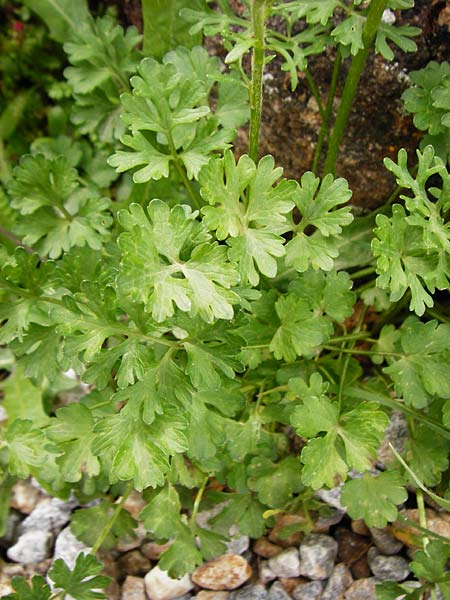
pixel 218 327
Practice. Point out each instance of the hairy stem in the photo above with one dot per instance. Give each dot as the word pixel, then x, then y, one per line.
pixel 198 499
pixel 325 127
pixel 110 524
pixel 351 83
pixel 256 86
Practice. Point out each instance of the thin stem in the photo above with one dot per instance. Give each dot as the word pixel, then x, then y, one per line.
pixel 15 240
pixel 256 86
pixel 198 499
pixel 325 127
pixel 315 93
pixel 437 316
pixel 351 83
pixel 5 169
pixel 422 514
pixel 362 272
pixel 182 172
pixel 278 388
pixel 110 524
pixel 365 352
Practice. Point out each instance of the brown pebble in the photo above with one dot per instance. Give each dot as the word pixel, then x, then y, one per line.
pixel 360 568
pixel 133 563
pixel 134 504
pixel 153 551
pixel 436 522
pixel 226 572
pixel 262 547
pixel 113 591
pixel 359 527
pixel 351 546
pixel 363 589
pixel 283 520
pixel 209 595
pixel 133 588
pixel 290 583
pixel 25 497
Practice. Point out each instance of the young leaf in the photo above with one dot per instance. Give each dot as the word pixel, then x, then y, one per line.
pixel 167 260
pixel 317 204
pixel 429 564
pixel 242 509
pixel 37 589
pixel 25 447
pixel 22 399
pixel 374 499
pixel 87 524
pixel 183 555
pixel 82 582
pixel 62 17
pixel 275 483
pixel 161 516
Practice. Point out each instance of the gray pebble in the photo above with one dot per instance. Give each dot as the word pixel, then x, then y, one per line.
pixel 68 547
pixel 33 546
pixel 238 544
pixel 133 588
pixel 385 541
pixel 332 497
pixel 387 568
pixel 265 573
pixel 277 592
pixel 317 555
pixel 362 589
pixel 308 591
pixel 49 515
pixel 340 580
pixel 250 592
pixel 286 564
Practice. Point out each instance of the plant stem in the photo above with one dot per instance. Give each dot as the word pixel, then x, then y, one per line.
pixel 181 171
pixel 110 524
pixel 256 86
pixel 315 93
pixel 198 499
pixel 325 127
pixel 362 272
pixel 351 83
pixel 365 352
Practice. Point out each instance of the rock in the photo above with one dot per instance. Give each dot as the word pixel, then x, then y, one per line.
pixel 385 541
pixel 24 497
pixel 265 573
pixel 159 586
pixel 340 580
pixel 68 547
pixel 130 543
pixel 388 568
pixel 323 524
pixel 238 544
pixel 153 551
pixel 113 592
pixel 5 585
pixel 134 504
pixel 317 555
pixel 352 551
pixel 31 547
pixel 277 592
pixel 358 526
pixel 308 591
pixel 134 563
pixel 406 533
pixel 395 434
pixel 332 497
pixel 250 592
pixel 286 564
pixel 290 583
pixel 209 595
pixel 226 572
pixel 49 515
pixel 362 589
pixel 262 547
pixel 281 522
pixel 133 588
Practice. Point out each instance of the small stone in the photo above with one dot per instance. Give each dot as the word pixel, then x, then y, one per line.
pixel 359 527
pixel 226 572
pixel 68 547
pixel 262 547
pixel 281 522
pixel 317 555
pixel 332 497
pixel 133 588
pixel 308 591
pixel 133 563
pixel 238 544
pixel 340 580
pixel 49 515
pixel 24 497
pixel 31 547
pixel 210 595
pixel 113 592
pixel 352 548
pixel 277 592
pixel 265 573
pixel 360 568
pixel 286 564
pixel 250 592
pixel 385 541
pixel 159 586
pixel 5 585
pixel 388 568
pixel 323 524
pixel 290 583
pixel 134 504
pixel 130 543
pixel 153 551
pixel 362 589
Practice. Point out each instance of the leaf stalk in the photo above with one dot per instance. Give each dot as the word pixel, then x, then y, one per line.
pixel 256 86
